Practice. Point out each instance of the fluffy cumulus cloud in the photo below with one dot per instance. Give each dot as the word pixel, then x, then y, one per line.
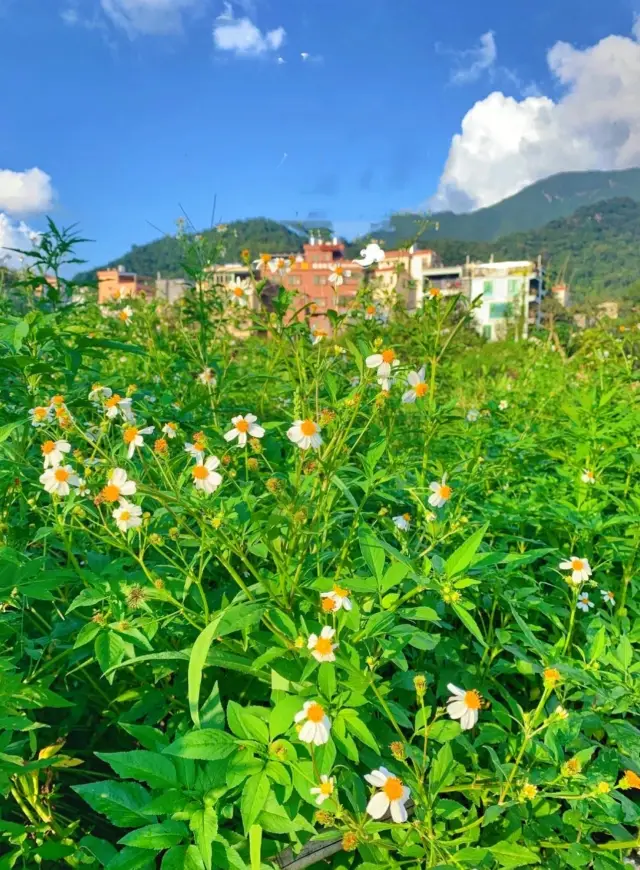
pixel 507 143
pixel 244 38
pixel 28 192
pixel 14 235
pixel 151 17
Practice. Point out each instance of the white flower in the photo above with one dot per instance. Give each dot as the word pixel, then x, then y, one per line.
pixel 560 712
pixel 317 335
pixel 132 437
pixel 373 253
pixel 317 726
pixel 170 430
pixel 580 569
pixel 384 363
pixel 127 515
pixel 196 450
pixel 305 433
pixel 115 405
pixel 125 315
pixel 370 312
pixel 588 476
pixel 207 377
pixel 279 264
pixel 402 522
pixel 243 427
pixel 418 386
pixel 472 415
pixel 503 405
pixel 338 274
pixel 59 480
pixel 434 293
pixel 583 603
pixel 324 790
pixel 608 597
pixel 464 706
pixel 53 452
pixel 118 486
pixel 40 416
pixel 99 392
pixel 205 476
pixel 335 600
pixel 239 291
pixel 83 489
pixel 441 492
pixel 392 796
pixel 321 647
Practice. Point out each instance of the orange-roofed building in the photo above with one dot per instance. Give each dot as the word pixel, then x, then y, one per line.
pixel 404 271
pixel 117 284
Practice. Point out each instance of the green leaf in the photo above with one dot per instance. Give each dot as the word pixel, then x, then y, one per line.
pixel 327 679
pixel 461 558
pixel 131 858
pixel 395 573
pixel 372 552
pixel 196 664
pixel 204 824
pixel 182 858
pixel 254 796
pixel 510 854
pixel 207 745
pixel 158 836
pixel 469 622
pixel 123 803
pixel 150 767
pixel 255 846
pixel 444 730
pixel 442 771
pixel 101 850
pixel 282 715
pixel 109 649
pixel 245 725
pixel 212 712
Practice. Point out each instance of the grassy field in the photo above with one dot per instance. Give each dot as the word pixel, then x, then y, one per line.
pixel 396 605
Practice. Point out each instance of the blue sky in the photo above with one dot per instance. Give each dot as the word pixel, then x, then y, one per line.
pixel 135 108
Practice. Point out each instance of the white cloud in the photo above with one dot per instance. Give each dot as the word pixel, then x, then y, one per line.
pixel 242 37
pixel 28 192
pixel 14 235
pixel 506 143
pixel 636 26
pixel 473 62
pixel 150 17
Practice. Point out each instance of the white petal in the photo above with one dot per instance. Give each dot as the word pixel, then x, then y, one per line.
pixel 231 434
pixel 413 378
pixel 460 693
pixel 374 360
pixel 398 811
pixel 256 431
pixel 307 732
pixel 378 805
pixel 409 397
pixel 469 719
pixel 327 631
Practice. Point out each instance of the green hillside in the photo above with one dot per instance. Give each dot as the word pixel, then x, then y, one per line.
pixel 555 197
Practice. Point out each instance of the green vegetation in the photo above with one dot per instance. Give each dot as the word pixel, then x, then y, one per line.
pixel 413 574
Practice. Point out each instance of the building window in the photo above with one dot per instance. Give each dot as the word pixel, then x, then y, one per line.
pixel 487 331
pixel 294 280
pixel 513 288
pixel 487 289
pixel 498 310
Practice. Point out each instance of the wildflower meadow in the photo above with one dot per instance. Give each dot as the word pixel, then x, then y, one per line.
pixel 277 592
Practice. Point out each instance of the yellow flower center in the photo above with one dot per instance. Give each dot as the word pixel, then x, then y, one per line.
pixel 113 401
pixel 39 413
pixel 388 356
pixel 323 646
pixel 315 713
pixel 633 780
pixel 124 516
pixel 61 475
pixel 57 400
pixel 472 699
pixel 393 788
pixel 577 564
pixel 406 517
pixel 48 447
pixel 552 675
pixel 434 292
pixel 199 446
pixel 238 291
pixel 420 390
pixel 130 434
pixel 338 270
pixel 328 605
pixel 111 492
pixel 200 472
pixel 308 428
pixel 242 426
pixel 123 315
pixel 326 788
pixel 445 491
pixel 339 591
pixel 371 309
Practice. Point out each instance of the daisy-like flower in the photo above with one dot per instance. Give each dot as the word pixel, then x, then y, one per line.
pixel 588 476
pixel 441 492
pixel 170 430
pixel 305 433
pixel 418 386
pixel 279 264
pixel 370 312
pixel 402 522
pixel 207 377
pixel 335 600
pixel 584 603
pixel 472 415
pixel 59 480
pixel 127 515
pixel 83 489
pixel 57 401
pixel 338 274
pixel 324 790
pixel 503 405
pixel 53 452
pixel 392 795
pixel 196 450
pixel 239 292
pixel 629 780
pixel 464 705
pixel 384 362
pixel 99 392
pixel 205 476
pixel 125 315
pixel 373 253
pixel 244 427
pixel 317 725
pixel 317 335
pixel 118 486
pixel 434 292
pixel 580 569
pixel 321 647
pixel 608 597
pixel 40 415
pixel 132 437
pixel 116 405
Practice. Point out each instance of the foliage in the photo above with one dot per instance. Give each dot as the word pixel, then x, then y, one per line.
pixel 153 679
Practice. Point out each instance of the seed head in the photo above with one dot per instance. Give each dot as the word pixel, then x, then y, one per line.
pixel 174 533
pixel 156 540
pixel 252 463
pixel 273 485
pixel 324 818
pixel 420 684
pixel 350 841
pixel 136 597
pixel 398 750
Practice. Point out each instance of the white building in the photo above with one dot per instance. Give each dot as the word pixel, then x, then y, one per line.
pixel 506 291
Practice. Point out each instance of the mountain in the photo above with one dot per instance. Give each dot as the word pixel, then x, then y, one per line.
pixel 555 197
pixel 259 235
